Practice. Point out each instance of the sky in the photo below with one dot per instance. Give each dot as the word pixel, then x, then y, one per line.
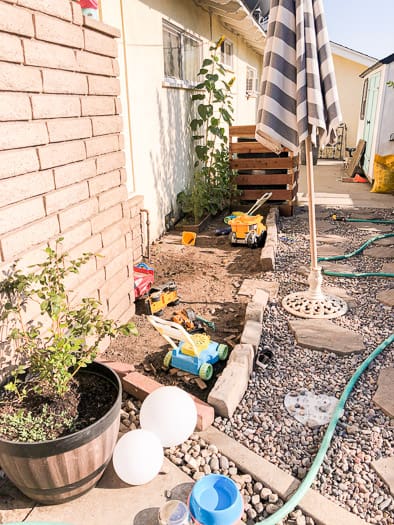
pixel 366 26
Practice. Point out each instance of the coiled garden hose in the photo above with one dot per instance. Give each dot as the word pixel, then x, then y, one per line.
pixel 309 478
pixel 356 252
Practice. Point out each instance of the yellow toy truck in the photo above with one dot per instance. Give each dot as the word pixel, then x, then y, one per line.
pixel 247 228
pixel 159 298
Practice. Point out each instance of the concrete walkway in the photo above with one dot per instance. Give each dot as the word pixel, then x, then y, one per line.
pixel 330 191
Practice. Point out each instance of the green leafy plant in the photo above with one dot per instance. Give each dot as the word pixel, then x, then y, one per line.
pixel 25 426
pixel 65 338
pixel 212 187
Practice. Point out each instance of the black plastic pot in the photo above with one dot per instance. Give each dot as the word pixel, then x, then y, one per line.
pixel 56 471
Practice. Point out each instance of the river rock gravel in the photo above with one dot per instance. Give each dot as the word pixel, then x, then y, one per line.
pixel 364 433
pixel 198 458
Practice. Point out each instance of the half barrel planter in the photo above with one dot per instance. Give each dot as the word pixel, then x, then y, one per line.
pixel 62 469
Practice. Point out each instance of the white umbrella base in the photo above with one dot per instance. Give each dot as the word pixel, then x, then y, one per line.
pixel 301 304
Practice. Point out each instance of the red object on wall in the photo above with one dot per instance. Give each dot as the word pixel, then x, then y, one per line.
pixel 89 4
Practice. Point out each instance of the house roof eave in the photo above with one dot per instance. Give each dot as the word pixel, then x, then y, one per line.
pixel 378 64
pixel 235 16
pixel 352 54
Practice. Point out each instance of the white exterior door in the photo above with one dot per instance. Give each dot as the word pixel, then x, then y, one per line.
pixel 370 117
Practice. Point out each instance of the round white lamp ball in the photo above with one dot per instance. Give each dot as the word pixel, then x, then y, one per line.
pixel 138 457
pixel 170 413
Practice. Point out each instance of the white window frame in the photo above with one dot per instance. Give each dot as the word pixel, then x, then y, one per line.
pixel 172 81
pixel 227 59
pixel 252 82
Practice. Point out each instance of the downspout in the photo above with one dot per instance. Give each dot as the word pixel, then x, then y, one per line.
pixel 147 222
pixel 127 94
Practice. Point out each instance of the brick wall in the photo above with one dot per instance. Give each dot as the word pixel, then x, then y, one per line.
pixel 61 159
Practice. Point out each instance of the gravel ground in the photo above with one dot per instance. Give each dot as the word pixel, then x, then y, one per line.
pixel 364 433
pixel 197 458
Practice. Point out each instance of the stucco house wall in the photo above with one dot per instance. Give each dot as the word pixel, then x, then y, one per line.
pixel 348 65
pixel 61 150
pixel 159 146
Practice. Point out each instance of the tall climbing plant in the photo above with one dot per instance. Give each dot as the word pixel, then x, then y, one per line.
pixel 212 187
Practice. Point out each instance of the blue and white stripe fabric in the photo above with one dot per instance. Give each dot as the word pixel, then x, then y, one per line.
pixel 298 88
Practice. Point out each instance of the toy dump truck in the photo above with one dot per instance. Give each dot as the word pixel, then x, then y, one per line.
pixel 195 353
pixel 159 297
pixel 247 228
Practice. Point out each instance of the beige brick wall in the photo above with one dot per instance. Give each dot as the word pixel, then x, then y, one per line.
pixel 61 160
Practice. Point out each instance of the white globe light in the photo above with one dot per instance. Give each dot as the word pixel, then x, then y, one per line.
pixel 170 413
pixel 138 457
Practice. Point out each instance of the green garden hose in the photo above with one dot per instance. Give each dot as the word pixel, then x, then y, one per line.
pixel 309 478
pixel 356 252
pixel 311 475
pixel 349 219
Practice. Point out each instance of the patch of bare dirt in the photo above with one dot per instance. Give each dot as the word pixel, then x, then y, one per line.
pixel 208 276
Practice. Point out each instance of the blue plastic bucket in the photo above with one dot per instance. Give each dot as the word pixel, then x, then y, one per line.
pixel 215 500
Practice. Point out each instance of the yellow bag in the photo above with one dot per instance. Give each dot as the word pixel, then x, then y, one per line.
pixel 383 172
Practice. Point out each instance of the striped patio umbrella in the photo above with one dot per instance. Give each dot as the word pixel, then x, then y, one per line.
pixel 298 103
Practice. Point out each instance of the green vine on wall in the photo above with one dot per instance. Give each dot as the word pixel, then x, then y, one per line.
pixel 212 188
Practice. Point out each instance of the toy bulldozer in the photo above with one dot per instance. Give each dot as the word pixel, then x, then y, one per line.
pixel 190 321
pixel 195 353
pixel 247 228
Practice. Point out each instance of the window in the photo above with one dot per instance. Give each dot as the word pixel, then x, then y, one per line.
pixel 364 99
pixel 181 53
pixel 252 83
pixel 226 54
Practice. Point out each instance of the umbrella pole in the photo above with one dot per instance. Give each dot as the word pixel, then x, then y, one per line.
pixel 315 278
pixel 313 303
pixel 311 201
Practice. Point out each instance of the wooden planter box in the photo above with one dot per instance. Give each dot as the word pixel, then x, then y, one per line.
pixel 260 170
pixel 185 225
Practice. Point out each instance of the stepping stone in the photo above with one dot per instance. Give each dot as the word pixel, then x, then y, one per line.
pixel 380 252
pixel 249 287
pixel 382 228
pixel 323 227
pixel 322 334
pixel 384 468
pixel 384 395
pixel 326 250
pixel 388 267
pixel 331 239
pixel 386 297
pixel 333 266
pixel 388 241
pixel 339 292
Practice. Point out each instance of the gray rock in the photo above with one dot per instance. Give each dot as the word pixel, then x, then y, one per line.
pixel 321 334
pixel 271 508
pixel 384 467
pixel 229 389
pixel 386 297
pixel 384 396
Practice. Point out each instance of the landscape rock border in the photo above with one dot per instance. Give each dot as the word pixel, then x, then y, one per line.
pixel 321 509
